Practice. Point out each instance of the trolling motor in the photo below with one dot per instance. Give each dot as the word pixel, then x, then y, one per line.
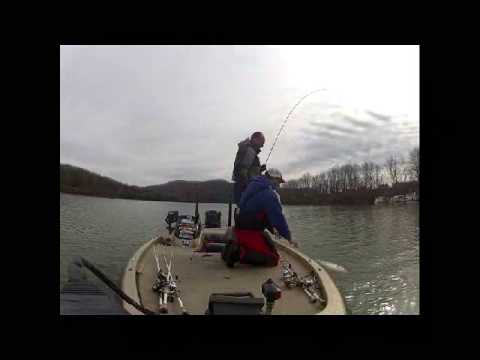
pixel 272 293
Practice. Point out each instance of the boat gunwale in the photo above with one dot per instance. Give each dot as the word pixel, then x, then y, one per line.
pixel 129 279
pixel 335 301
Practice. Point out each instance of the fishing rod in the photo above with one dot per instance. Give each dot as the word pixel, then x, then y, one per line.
pixel 308 283
pixel 165 284
pixel 160 283
pixel 286 119
pixel 173 291
pixel 80 261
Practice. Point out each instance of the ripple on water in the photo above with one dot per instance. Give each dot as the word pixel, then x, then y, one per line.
pixel 379 247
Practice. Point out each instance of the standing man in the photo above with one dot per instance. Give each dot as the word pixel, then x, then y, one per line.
pixel 247 163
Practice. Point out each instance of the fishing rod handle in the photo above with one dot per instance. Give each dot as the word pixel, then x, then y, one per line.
pixel 310 295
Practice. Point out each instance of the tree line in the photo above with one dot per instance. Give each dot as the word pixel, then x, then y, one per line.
pixel 365 176
pixel 362 182
pixel 346 184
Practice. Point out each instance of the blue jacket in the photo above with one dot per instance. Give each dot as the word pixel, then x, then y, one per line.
pixel 260 196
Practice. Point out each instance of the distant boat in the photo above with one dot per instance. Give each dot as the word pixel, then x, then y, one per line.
pixel 412 197
pixel 381 200
pixel 399 199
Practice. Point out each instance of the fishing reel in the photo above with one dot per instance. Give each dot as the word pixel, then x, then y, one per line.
pixel 288 276
pixel 310 286
pixel 172 291
pixel 308 283
pixel 160 281
pixel 165 284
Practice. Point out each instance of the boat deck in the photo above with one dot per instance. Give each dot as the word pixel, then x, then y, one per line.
pixel 201 274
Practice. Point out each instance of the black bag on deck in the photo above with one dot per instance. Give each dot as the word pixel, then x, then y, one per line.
pixel 234 304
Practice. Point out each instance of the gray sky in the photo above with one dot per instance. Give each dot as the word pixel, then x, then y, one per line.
pixel 145 115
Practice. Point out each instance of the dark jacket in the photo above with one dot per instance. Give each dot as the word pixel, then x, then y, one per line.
pixel 260 198
pixel 247 163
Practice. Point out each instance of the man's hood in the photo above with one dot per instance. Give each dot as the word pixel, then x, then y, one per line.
pixel 256 185
pixel 244 143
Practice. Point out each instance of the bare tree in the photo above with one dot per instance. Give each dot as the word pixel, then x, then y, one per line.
pixel 323 183
pixel 356 176
pixel 347 176
pixel 367 171
pixel 404 171
pixel 316 182
pixel 368 175
pixel 377 175
pixel 350 176
pixel 341 178
pixel 348 173
pixel 333 179
pixel 392 165
pixel 291 184
pixel 329 181
pixel 414 163
pixel 306 180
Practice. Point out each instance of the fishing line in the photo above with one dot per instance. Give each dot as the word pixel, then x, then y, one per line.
pixel 286 119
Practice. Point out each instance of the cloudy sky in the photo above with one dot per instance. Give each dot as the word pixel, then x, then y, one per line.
pixel 146 115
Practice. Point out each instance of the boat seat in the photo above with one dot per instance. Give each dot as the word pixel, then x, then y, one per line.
pixel 213 243
pixel 213 247
pixel 215 238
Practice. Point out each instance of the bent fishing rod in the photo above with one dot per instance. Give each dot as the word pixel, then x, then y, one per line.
pixel 286 119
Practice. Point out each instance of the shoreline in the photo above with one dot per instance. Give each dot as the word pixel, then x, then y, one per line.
pixel 226 203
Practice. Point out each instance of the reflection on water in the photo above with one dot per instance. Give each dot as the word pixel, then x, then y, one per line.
pixel 378 245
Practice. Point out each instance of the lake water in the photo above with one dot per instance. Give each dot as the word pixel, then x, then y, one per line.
pixel 378 245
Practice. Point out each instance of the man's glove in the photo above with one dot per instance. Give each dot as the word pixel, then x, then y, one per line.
pixel 263 168
pixel 275 232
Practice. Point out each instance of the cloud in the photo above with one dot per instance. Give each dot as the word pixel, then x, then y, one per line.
pixel 341 129
pixel 356 122
pixel 324 145
pixel 150 114
pixel 381 117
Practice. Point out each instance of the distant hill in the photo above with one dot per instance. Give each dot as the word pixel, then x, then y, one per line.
pixel 218 191
pixel 75 180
